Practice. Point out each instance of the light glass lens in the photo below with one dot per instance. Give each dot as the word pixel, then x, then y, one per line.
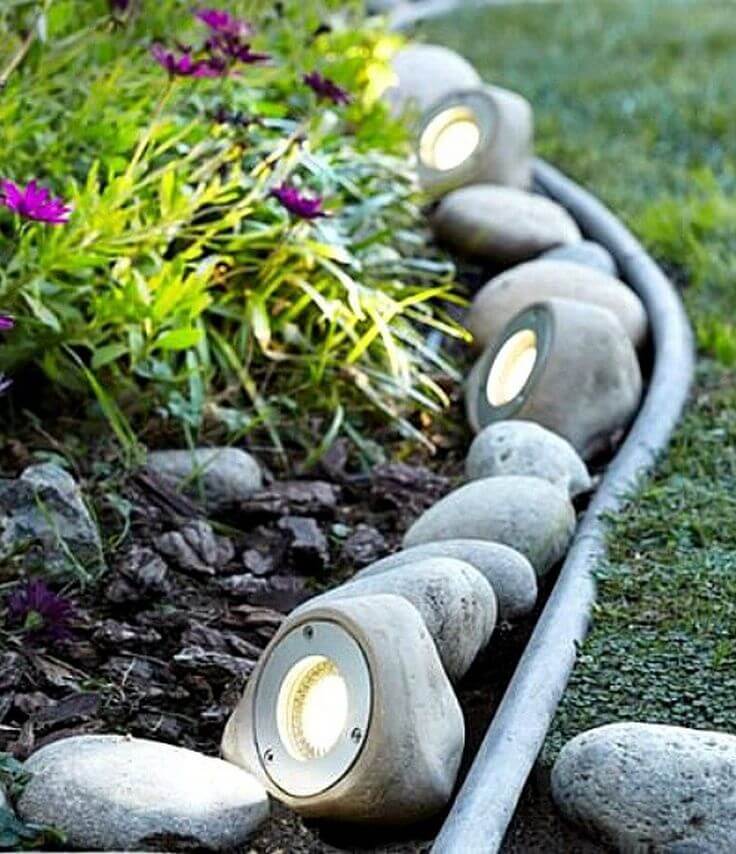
pixel 512 367
pixel 312 708
pixel 449 139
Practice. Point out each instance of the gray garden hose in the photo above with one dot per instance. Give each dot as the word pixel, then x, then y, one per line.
pixel 486 802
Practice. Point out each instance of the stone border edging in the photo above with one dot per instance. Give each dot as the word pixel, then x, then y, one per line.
pixel 486 802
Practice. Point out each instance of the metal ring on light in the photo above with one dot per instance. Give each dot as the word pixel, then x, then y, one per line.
pixel 537 319
pixel 305 777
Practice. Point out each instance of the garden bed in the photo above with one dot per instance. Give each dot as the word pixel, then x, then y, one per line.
pixel 162 649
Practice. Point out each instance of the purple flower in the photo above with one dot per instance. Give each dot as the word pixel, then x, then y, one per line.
pixel 233 48
pixel 323 87
pixel 6 322
pixel 5 383
pixel 34 202
pixel 185 66
pixel 40 612
pixel 220 21
pixel 297 204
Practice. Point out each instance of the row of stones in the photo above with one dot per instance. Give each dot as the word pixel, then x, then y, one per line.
pixel 426 613
pixel 636 786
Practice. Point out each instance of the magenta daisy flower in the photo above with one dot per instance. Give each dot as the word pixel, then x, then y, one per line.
pixel 185 66
pixel 41 613
pixel 305 207
pixel 6 322
pixel 33 202
pixel 222 22
pixel 323 87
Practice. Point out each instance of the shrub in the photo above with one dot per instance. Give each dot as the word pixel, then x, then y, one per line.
pixel 181 285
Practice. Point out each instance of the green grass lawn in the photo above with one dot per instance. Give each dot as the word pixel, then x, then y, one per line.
pixel 636 100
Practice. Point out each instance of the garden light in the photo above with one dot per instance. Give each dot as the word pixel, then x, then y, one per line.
pixel 512 367
pixel 566 365
pixel 318 722
pixel 449 139
pixel 477 135
pixel 312 707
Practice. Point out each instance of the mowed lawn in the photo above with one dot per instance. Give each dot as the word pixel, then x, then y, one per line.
pixel 637 100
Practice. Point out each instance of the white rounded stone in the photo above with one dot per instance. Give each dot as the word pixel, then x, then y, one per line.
pixel 113 792
pixel 501 224
pixel 587 253
pixel 407 768
pixel 454 599
pixel 497 302
pixel 509 573
pixel 651 787
pixel 522 447
pixel 220 476
pixel 526 513
pixel 425 73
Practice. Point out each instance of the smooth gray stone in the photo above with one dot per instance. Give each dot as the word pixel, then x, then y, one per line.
pixel 650 787
pixel 425 73
pixel 221 476
pixel 114 792
pixel 587 253
pixel 509 573
pixel 43 514
pixel 456 602
pixel 526 448
pixel 502 224
pixel 526 513
pixel 509 293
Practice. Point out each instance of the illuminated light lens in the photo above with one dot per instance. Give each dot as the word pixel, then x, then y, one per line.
pixel 312 708
pixel 449 139
pixel 512 367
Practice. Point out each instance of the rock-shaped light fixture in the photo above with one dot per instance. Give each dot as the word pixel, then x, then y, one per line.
pixel 424 73
pixel 501 225
pixel 509 573
pixel 507 294
pixel 566 365
pixel 526 513
pixel 456 602
pixel 522 447
pixel 349 715
pixel 476 136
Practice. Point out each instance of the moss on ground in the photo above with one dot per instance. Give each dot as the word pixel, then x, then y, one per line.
pixel 634 99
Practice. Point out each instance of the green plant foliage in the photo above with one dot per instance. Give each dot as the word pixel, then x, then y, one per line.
pixel 180 285
pixel 635 100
